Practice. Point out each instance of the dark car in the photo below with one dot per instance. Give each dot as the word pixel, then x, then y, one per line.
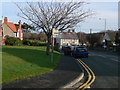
pixel 80 52
pixel 67 50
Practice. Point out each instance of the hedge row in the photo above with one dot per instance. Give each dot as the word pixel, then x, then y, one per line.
pixel 33 43
pixel 17 42
pixel 13 41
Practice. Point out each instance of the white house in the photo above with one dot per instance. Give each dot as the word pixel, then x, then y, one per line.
pixel 106 37
pixel 67 39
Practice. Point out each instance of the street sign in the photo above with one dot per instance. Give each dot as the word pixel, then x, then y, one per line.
pixel 55 33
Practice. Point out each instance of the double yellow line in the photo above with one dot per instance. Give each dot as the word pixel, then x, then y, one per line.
pixel 91 76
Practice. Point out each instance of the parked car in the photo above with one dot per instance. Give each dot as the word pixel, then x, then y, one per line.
pixel 67 50
pixel 80 51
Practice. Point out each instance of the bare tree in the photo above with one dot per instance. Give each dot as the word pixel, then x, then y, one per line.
pixel 54 15
pixel 93 39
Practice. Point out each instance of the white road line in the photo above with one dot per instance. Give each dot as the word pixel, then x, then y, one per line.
pixel 112 58
pixel 115 60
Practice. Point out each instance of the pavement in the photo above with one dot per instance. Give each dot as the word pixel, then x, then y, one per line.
pixel 67 71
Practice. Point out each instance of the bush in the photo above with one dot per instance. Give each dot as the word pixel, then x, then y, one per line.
pixel 26 42
pixel 34 43
pixel 13 41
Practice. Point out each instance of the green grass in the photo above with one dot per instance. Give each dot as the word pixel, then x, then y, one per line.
pixel 20 62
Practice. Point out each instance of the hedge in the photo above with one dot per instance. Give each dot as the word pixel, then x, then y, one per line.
pixel 34 43
pixel 13 41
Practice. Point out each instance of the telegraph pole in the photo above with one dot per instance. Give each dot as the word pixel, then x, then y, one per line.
pixel 105 24
pixel 90 36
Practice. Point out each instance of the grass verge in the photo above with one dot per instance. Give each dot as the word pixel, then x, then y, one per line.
pixel 20 62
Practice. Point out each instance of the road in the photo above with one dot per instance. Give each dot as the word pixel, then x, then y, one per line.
pixel 105 66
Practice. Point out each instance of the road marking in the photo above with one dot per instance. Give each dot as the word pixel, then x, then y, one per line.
pixel 112 58
pixel 74 81
pixel 91 76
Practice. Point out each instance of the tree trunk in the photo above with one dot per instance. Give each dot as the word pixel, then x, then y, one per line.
pixel 48 45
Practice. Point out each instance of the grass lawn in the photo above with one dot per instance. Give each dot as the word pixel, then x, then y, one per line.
pixel 20 62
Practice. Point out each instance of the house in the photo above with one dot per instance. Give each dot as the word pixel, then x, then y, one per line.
pixel 12 30
pixel 67 39
pixel 109 36
pixel 106 37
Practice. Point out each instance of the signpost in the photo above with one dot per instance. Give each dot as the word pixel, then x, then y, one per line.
pixel 55 33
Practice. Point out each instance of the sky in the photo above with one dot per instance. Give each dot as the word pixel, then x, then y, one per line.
pixel 104 10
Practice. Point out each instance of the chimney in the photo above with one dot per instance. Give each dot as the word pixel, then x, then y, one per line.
pixel 5 20
pixel 20 30
pixel 69 31
pixel 73 30
pixel 20 24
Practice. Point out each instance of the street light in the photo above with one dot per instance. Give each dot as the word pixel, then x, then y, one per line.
pixel 104 21
pixel 105 41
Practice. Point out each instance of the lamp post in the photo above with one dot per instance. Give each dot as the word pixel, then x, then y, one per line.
pixel 104 22
pixel 105 41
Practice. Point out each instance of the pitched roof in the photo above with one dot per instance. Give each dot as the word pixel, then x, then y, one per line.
pixel 12 26
pixel 69 35
pixel 106 37
pixel 17 26
pixel 112 35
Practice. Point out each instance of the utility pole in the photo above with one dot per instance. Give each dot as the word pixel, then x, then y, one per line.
pixel 105 24
pixel 90 36
pixel 105 44
pixel 80 37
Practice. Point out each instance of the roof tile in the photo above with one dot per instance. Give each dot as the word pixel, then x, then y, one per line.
pixel 69 35
pixel 12 26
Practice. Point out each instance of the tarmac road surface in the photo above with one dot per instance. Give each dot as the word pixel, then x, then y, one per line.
pixel 105 67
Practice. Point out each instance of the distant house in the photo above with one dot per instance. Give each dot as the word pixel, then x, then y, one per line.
pixel 67 39
pixel 109 36
pixel 106 37
pixel 12 30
